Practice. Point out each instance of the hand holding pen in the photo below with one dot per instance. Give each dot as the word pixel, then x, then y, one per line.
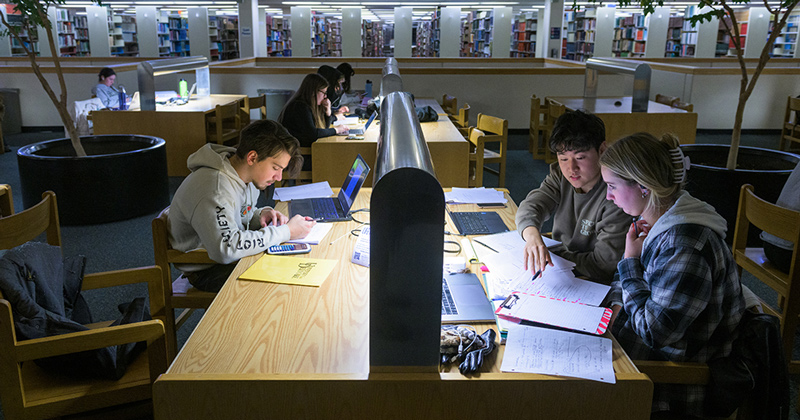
pixel 634 239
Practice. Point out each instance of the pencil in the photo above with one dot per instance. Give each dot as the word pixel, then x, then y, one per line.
pixel 339 238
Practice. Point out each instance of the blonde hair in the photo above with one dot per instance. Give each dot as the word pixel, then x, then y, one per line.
pixel 657 165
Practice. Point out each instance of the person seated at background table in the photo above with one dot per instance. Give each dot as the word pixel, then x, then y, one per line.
pixel 677 294
pixel 215 206
pixel 349 97
pixel 779 251
pixel 591 229
pixel 308 115
pixel 105 90
pixel 335 80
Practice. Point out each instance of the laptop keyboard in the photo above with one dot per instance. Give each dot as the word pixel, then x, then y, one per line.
pixel 448 304
pixel 324 209
pixel 470 223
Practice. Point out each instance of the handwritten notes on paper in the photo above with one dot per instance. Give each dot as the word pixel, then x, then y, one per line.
pixel 289 270
pixel 553 352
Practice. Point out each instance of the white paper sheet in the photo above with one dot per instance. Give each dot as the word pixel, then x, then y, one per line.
pixel 315 236
pixel 315 190
pixel 544 310
pixel 552 352
pixel 361 250
pixel 474 195
pixel 346 121
pixel 562 285
pixel 506 241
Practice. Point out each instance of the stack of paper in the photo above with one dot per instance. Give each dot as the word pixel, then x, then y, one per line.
pixel 474 195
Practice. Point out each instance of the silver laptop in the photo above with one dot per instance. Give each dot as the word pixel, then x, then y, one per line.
pixel 334 209
pixel 357 131
pixel 463 300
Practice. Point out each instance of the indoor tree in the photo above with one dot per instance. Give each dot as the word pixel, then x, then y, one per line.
pixel 33 14
pixel 724 11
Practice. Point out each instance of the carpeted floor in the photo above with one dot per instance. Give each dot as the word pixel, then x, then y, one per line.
pixel 128 243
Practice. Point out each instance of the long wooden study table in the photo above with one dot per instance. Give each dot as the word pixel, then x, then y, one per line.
pixel 266 350
pixel 183 127
pixel 621 122
pixel 331 157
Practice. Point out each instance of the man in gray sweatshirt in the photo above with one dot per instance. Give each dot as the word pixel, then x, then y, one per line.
pixel 590 228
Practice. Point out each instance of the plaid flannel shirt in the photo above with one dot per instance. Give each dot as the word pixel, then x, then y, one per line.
pixel 681 302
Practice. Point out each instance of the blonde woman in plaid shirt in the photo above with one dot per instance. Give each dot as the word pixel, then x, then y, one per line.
pixel 676 295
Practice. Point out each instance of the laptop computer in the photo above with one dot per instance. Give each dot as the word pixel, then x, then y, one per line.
pixel 334 209
pixel 478 222
pixel 357 131
pixel 463 300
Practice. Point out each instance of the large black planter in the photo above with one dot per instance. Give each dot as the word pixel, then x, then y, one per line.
pixel 766 170
pixel 123 176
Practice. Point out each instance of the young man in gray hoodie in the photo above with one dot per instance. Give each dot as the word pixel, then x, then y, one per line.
pixel 215 206
pixel 590 228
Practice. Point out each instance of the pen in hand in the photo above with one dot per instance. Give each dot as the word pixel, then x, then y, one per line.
pixel 536 276
pixel 636 227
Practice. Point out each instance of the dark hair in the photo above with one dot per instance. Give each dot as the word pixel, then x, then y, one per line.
pixel 577 131
pixel 348 72
pixel 105 73
pixel 332 76
pixel 307 94
pixel 268 139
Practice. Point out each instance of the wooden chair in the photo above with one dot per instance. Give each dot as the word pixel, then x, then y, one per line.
pixel 461 120
pixel 553 109
pixel 683 105
pixel 538 145
pixel 449 104
pixel 489 130
pixel 6 202
pixel 666 100
pixel 790 133
pixel 302 177
pixel 28 391
pixel 224 124
pixel 785 224
pixel 178 293
pixel 258 102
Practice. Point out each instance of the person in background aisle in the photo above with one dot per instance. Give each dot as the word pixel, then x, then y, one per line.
pixel 676 295
pixel 590 229
pixel 105 90
pixel 215 206
pixel 777 250
pixel 308 114
pixel 335 80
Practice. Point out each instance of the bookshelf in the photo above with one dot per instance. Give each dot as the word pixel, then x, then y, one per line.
pixel 585 24
pixel 786 43
pixel 279 42
pixel 435 35
pixel 723 39
pixel 129 38
pixel 81 26
pixel 372 39
pixel 742 17
pixel 178 36
pixel 467 37
pixel 29 39
pixel 326 36
pixel 630 36
pixel 228 30
pixel 334 38
pixel 674 28
pixel 688 33
pixel 164 44
pixel 115 41
pixel 482 22
pixel 523 35
pixel 213 38
pixel 423 43
pixel 568 41
pixel 65 34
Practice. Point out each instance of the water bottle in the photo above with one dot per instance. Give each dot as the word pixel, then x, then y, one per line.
pixel 368 88
pixel 122 98
pixel 183 88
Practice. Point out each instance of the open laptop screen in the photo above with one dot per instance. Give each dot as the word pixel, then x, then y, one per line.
pixel 352 183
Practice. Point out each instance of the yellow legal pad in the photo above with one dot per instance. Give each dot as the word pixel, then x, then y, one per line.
pixel 289 270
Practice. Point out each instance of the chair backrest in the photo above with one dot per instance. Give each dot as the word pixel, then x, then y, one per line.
pixel 449 104
pixel 165 254
pixel 227 121
pixel 475 135
pixel 683 105
pixel 302 177
pixel 27 225
pixel 494 125
pixel 784 224
pixel 6 201
pixel 666 100
pixel 259 102
pixel 792 104
pixel 462 118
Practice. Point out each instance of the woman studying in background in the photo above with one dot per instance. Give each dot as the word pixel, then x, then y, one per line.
pixel 677 294
pixel 335 80
pixel 104 89
pixel 308 115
